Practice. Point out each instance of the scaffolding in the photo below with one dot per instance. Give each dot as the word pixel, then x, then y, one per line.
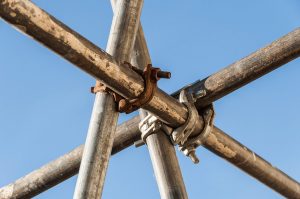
pixel 125 82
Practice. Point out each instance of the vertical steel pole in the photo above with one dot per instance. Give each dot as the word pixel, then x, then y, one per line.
pixel 162 152
pixel 104 117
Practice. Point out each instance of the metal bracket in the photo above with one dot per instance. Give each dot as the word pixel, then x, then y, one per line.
pixel 184 135
pixel 150 75
pixel 149 125
pixel 189 135
pixel 97 88
pixel 181 134
pixel 100 87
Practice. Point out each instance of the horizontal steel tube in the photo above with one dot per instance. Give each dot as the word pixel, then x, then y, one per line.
pixel 35 22
pixel 38 24
pixel 65 166
pixel 218 142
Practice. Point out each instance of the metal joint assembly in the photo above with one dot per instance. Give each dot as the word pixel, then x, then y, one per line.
pixel 189 136
pixel 150 75
pixel 149 125
pixel 100 87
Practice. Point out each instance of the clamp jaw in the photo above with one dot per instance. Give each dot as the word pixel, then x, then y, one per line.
pixel 188 136
pixel 149 125
pixel 150 74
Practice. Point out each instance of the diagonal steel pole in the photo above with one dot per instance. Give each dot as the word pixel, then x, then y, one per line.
pixel 162 152
pixel 99 141
pixel 88 57
pixel 65 166
pixel 164 161
pixel 127 133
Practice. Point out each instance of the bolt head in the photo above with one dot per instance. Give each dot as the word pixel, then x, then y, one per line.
pixel 194 157
pixel 199 94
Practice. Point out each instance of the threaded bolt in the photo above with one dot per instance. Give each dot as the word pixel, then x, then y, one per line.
pixel 194 157
pixel 164 74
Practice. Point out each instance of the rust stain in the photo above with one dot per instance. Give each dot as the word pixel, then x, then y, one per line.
pixel 91 58
pixel 220 147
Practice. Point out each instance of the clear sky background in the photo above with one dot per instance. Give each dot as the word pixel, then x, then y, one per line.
pixel 45 103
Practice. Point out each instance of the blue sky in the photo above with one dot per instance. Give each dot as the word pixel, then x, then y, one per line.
pixel 45 104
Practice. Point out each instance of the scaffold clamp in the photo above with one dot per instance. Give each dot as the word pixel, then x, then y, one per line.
pixel 150 75
pixel 189 136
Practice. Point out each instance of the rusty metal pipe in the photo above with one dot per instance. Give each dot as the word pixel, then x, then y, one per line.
pixel 127 133
pixel 162 152
pixel 248 69
pixel 65 166
pixel 237 154
pixel 38 24
pixel 35 22
pixel 46 29
pixel 285 49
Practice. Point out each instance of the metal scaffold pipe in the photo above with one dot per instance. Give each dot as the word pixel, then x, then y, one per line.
pixel 97 148
pixel 65 166
pixel 103 122
pixel 237 154
pixel 167 169
pixel 162 152
pixel 71 46
pixel 127 133
pixel 38 24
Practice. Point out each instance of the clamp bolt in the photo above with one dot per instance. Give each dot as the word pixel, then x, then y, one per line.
pixel 194 157
pixel 164 74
